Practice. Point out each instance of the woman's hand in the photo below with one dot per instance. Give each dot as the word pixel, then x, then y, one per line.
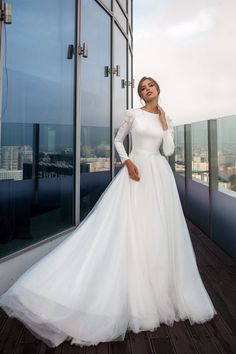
pixel 132 170
pixel 162 116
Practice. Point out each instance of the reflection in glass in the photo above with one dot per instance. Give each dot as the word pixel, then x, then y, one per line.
pixel 179 150
pixel 130 38
pixel 120 16
pixel 95 88
pixel 36 145
pixel 130 13
pixel 123 4
pixel 200 165
pixel 226 132
pixel 130 88
pixel 36 183
pixel 107 3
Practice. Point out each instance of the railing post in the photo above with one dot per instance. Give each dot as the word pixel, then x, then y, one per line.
pixel 188 160
pixel 35 163
pixel 172 161
pixel 213 165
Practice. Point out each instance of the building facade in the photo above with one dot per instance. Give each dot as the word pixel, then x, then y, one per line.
pixel 66 80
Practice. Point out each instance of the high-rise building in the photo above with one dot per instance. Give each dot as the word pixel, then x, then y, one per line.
pixel 66 81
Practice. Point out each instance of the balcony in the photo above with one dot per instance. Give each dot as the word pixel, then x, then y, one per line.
pixel 204 166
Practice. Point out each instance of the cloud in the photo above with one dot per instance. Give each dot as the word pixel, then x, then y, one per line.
pixel 202 22
pixel 190 51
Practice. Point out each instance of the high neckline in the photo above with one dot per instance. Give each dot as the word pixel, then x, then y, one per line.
pixel 153 114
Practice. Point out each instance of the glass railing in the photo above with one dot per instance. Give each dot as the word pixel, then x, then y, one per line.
pixel 222 148
pixel 179 150
pixel 226 157
pixel 204 164
pixel 199 152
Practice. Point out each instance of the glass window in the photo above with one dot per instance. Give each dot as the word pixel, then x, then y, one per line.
pixel 130 12
pixel 179 150
pixel 95 88
pixel 226 144
pixel 200 166
pixel 130 38
pixel 123 4
pixel 120 84
pixel 36 145
pixel 120 17
pixel 107 3
pixel 130 92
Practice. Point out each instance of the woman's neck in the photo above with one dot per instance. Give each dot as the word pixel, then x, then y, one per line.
pixel 151 106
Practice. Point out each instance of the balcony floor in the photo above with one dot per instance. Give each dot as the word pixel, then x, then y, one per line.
pixel 218 273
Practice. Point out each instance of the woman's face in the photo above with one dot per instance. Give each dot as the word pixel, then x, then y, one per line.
pixel 148 90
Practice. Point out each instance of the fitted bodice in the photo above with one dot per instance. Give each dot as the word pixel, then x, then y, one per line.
pixel 147 133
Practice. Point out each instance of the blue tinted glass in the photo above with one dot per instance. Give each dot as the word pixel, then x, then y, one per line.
pixel 120 16
pixel 120 83
pixel 200 165
pixel 95 88
pixel 37 148
pixel 107 3
pixel 226 144
pixel 123 4
pixel 179 150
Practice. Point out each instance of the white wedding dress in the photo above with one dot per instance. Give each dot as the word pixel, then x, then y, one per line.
pixel 129 265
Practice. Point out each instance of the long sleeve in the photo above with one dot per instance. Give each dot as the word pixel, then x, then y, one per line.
pixel 121 134
pixel 168 138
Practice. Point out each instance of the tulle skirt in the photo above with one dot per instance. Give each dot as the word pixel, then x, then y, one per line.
pixel 130 265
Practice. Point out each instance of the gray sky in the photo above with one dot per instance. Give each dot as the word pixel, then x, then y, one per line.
pixel 188 46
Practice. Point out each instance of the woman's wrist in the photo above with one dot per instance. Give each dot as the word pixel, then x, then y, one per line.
pixel 127 161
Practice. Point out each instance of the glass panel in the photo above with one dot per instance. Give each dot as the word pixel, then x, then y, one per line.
pixel 179 150
pixel 107 3
pixel 120 90
pixel 120 16
pixel 200 168
pixel 197 202
pixel 226 142
pixel 130 38
pixel 130 81
pixel 95 105
pixel 36 146
pixel 130 12
pixel 224 221
pixel 123 4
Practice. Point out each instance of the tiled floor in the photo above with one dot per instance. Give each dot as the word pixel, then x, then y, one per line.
pixel 218 272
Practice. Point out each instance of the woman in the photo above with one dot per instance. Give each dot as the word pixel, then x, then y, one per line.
pixel 130 264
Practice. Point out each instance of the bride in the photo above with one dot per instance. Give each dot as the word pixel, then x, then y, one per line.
pixel 130 264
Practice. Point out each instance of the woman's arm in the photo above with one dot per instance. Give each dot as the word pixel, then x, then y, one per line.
pixel 168 138
pixel 124 129
pixel 168 132
pixel 121 134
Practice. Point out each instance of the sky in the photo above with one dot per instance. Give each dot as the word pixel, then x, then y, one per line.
pixel 188 46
